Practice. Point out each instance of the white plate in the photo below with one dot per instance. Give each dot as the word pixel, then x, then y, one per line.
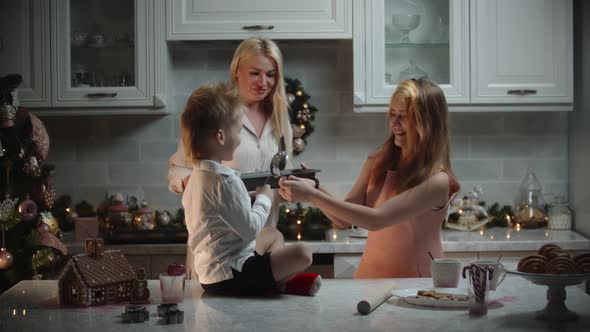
pixel 409 295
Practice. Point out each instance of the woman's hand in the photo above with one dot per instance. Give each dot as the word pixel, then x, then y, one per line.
pixel 295 189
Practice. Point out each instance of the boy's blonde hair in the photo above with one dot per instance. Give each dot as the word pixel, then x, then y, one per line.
pixel 209 108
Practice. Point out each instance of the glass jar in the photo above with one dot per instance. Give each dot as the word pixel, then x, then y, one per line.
pixel 560 216
pixel 529 212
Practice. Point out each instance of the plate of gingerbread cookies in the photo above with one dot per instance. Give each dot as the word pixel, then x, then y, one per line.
pixel 555 268
pixel 434 297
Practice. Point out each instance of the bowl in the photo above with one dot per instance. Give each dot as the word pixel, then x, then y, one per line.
pixel 405 23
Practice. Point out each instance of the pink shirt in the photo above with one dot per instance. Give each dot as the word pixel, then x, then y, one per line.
pixel 401 250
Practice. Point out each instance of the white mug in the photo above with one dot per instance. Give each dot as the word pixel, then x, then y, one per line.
pixel 499 271
pixel 446 272
pixel 358 231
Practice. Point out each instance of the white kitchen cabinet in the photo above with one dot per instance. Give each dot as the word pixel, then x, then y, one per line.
pixel 86 57
pixel 437 46
pixel 24 49
pixel 521 51
pixel 276 19
pixel 106 53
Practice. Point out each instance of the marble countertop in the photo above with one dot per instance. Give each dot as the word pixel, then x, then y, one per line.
pixel 491 239
pixel 33 306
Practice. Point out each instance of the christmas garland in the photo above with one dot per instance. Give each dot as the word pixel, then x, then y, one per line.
pixel 301 113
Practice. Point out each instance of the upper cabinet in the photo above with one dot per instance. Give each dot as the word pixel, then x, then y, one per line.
pixel 486 55
pixel 522 51
pixel 104 53
pixel 276 19
pixel 88 56
pixel 24 48
pixel 398 39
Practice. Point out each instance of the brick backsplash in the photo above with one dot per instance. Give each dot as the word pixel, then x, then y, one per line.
pixel 93 154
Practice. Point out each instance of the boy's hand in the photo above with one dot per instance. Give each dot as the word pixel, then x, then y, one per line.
pixel 264 190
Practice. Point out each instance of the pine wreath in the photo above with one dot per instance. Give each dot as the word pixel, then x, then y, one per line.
pixel 301 113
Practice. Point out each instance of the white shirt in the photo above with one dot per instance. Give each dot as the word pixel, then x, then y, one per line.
pixel 222 224
pixel 252 155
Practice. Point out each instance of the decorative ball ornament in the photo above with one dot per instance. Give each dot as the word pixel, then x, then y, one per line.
pixel 6 259
pixel 28 209
pixel 43 228
pixel 298 145
pixel 298 130
pixel 40 138
pixel 48 219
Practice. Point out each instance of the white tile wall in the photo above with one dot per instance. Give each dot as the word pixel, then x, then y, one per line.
pixel 93 154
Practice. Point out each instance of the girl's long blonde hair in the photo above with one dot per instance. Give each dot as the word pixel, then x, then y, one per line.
pixel 427 109
pixel 275 104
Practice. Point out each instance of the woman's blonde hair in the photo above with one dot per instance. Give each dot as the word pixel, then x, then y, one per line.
pixel 427 110
pixel 209 108
pixel 275 104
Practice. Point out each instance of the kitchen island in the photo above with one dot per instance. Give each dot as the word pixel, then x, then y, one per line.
pixel 33 306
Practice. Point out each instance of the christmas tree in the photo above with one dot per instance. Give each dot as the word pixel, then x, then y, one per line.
pixel 30 247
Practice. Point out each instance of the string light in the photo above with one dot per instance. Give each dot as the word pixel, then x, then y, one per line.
pixel 298 222
pixel 298 236
pixel 481 232
pixel 508 236
pixel 299 93
pixel 287 210
pixel 334 236
pixel 518 227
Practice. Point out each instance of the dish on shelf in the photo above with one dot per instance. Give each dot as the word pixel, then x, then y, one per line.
pixel 555 310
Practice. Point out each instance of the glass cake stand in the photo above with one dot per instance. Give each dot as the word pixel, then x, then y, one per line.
pixel 555 310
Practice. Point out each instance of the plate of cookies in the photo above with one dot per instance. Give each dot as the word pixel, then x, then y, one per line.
pixel 553 264
pixel 434 297
pixel 555 268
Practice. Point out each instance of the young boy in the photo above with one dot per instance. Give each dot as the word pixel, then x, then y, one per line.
pixel 222 222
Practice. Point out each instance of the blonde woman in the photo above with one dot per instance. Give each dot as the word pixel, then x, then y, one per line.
pixel 404 188
pixel 257 71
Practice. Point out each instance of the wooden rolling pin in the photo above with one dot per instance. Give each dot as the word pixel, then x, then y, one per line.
pixel 374 299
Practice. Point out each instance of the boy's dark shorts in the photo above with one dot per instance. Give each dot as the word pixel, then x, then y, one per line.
pixel 256 279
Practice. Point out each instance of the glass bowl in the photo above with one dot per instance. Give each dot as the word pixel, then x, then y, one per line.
pixel 405 23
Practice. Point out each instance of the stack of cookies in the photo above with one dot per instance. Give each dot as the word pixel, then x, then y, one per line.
pixel 552 259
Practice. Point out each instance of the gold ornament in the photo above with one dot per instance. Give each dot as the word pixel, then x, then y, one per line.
pixel 48 219
pixel 49 197
pixel 298 130
pixel 6 259
pixel 298 145
pixel 299 93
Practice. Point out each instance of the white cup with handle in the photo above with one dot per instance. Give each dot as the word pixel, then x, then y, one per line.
pixel 499 271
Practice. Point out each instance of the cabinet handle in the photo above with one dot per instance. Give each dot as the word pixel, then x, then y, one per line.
pixel 257 27
pixel 102 95
pixel 522 92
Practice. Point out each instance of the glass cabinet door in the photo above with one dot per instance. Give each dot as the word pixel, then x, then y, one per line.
pixel 412 39
pixel 101 53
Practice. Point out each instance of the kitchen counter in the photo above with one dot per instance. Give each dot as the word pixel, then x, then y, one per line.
pixel 492 239
pixel 33 306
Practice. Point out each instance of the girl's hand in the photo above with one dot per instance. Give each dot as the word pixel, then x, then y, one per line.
pixel 294 189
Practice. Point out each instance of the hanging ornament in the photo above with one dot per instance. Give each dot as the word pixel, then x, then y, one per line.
pixel 7 115
pixel 6 259
pixel 298 145
pixel 49 197
pixel 40 138
pixel 28 209
pixel 43 228
pixel 31 167
pixel 48 219
pixel 290 98
pixel 298 130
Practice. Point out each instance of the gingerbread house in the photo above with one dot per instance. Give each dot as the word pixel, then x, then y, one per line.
pixel 97 277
